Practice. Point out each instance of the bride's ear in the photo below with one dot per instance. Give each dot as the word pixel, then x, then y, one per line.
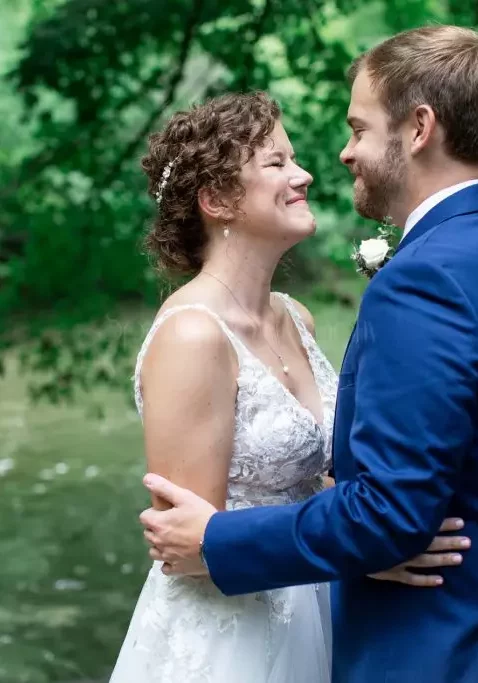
pixel 213 206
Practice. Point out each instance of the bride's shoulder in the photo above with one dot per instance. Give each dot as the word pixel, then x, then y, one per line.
pixel 186 325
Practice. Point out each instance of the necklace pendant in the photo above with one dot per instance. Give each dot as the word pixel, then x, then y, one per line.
pixel 285 369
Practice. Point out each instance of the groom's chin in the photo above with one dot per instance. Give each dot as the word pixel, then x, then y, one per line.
pixel 366 210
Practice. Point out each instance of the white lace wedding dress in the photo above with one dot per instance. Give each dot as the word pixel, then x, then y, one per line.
pixel 184 630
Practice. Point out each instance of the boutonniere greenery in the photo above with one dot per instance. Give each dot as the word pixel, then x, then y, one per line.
pixel 374 253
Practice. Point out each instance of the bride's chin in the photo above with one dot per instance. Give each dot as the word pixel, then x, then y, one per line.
pixel 310 227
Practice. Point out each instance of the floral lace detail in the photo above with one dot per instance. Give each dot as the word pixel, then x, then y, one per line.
pixel 177 617
pixel 279 456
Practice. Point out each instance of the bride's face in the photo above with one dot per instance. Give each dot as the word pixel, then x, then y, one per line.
pixel 275 206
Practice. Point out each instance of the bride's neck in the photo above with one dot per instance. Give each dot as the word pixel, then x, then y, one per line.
pixel 247 275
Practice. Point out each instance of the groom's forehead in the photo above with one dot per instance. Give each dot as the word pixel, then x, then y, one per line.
pixel 363 97
pixel 362 93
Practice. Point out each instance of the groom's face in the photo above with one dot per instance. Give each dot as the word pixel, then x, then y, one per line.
pixel 374 153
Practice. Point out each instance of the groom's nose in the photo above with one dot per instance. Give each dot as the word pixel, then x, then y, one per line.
pixel 346 155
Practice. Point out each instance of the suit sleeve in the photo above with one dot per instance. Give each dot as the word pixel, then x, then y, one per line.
pixel 416 403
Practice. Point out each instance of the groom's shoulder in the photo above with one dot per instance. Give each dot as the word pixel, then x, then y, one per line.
pixel 450 247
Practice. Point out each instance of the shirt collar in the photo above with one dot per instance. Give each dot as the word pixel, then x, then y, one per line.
pixel 432 201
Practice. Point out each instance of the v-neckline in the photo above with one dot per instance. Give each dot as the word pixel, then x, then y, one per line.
pixel 287 392
pixel 268 371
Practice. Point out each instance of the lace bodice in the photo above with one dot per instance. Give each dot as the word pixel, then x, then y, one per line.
pixel 184 629
pixel 279 451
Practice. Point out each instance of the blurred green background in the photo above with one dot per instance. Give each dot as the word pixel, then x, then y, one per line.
pixel 83 82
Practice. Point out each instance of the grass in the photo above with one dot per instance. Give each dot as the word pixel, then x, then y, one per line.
pixel 71 549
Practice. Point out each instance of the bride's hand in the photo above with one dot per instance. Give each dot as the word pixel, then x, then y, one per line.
pixel 439 554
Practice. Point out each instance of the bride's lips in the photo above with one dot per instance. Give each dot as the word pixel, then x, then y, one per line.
pixel 295 200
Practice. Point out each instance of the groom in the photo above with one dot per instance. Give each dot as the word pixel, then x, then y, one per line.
pixel 406 430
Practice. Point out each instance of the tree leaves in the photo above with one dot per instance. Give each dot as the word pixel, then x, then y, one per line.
pixel 95 77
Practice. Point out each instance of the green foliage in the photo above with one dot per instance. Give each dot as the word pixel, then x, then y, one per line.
pixel 93 78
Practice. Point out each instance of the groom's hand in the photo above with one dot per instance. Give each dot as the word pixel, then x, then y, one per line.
pixel 439 554
pixel 175 535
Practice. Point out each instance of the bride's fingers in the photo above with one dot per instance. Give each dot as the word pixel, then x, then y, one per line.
pixel 420 580
pixel 449 543
pixel 402 575
pixel 435 560
pixel 452 524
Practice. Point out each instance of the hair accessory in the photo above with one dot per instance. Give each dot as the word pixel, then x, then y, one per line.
pixel 163 182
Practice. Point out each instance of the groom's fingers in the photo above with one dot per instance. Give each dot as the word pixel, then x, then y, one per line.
pixel 165 489
pixel 157 521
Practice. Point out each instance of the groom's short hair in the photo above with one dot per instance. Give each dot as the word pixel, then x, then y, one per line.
pixel 434 65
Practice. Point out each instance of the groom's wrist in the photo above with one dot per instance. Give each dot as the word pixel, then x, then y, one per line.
pixel 202 554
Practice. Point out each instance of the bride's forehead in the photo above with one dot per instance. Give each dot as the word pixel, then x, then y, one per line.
pixel 274 146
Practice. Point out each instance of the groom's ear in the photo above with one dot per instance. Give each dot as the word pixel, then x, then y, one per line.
pixel 423 127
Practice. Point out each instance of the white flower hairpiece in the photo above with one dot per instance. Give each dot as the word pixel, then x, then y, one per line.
pixel 373 254
pixel 163 182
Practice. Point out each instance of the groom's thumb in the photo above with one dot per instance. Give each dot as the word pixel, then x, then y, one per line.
pixel 164 489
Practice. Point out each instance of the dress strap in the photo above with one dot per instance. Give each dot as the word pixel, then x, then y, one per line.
pixel 159 320
pixel 307 339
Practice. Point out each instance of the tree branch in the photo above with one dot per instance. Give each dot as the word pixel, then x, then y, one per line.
pixel 257 26
pixel 311 9
pixel 169 95
pixel 86 136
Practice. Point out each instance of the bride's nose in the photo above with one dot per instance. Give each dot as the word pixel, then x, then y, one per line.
pixel 300 178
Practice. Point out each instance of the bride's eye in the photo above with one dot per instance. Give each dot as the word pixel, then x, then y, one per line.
pixel 277 163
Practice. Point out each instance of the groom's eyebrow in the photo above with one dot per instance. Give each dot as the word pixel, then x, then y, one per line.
pixel 354 121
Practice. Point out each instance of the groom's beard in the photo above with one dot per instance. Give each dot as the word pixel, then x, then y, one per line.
pixel 381 183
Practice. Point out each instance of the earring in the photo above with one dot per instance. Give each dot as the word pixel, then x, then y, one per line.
pixel 226 232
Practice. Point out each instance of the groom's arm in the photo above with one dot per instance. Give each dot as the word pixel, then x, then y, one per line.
pixel 413 425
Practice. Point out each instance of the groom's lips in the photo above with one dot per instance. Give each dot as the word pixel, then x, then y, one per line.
pixel 294 200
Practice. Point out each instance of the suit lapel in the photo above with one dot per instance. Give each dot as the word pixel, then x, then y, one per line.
pixel 459 204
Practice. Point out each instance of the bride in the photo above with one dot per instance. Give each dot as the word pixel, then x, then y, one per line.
pixel 236 398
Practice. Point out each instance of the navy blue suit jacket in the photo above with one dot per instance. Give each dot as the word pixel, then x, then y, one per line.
pixel 405 457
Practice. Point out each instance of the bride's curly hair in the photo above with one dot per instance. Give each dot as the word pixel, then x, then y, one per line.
pixel 208 144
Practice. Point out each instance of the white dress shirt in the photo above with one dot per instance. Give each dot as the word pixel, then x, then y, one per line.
pixel 431 202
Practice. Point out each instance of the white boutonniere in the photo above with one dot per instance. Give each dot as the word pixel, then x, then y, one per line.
pixel 373 254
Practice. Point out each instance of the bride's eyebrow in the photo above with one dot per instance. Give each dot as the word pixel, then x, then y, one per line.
pixel 279 153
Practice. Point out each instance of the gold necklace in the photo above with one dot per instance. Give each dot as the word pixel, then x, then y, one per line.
pixel 285 368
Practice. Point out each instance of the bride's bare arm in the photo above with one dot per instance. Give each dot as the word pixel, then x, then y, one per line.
pixel 189 391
